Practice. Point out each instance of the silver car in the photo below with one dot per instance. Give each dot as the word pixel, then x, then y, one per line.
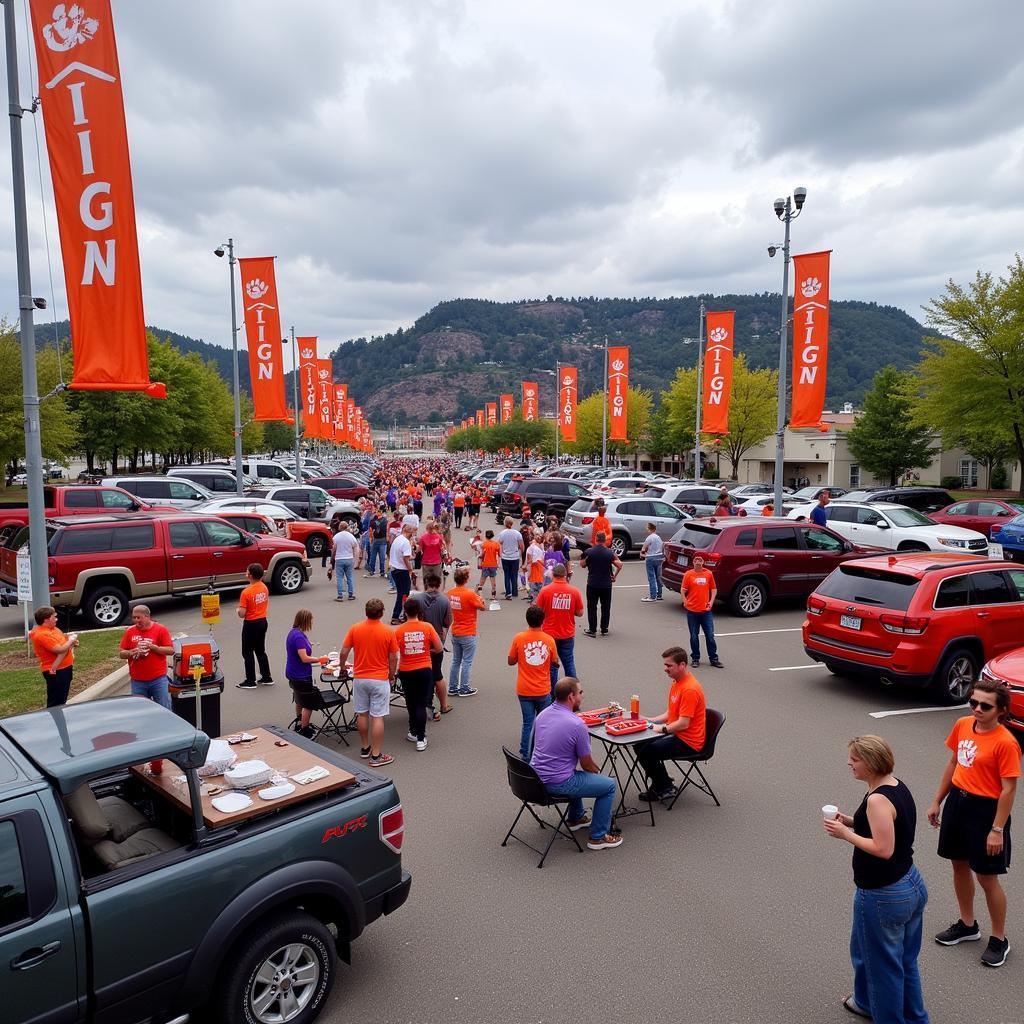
pixel 162 490
pixel 701 498
pixel 628 516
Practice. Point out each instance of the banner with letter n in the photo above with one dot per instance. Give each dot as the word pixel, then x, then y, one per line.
pixel 618 392
pixel 810 339
pixel 507 403
pixel 530 399
pixel 308 386
pixel 325 398
pixel 568 395
pixel 263 339
pixel 492 413
pixel 341 435
pixel 718 357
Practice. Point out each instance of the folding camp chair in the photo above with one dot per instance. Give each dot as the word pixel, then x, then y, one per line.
pixel 713 722
pixel 527 786
pixel 330 704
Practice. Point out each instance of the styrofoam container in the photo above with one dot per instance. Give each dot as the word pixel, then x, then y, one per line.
pixel 247 774
pixel 219 758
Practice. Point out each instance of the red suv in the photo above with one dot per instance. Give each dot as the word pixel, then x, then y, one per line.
pixel 753 559
pixel 926 619
pixel 1009 669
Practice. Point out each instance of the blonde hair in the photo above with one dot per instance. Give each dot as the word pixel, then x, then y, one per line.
pixel 875 753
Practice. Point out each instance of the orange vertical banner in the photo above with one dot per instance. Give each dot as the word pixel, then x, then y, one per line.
pixel 341 435
pixel 507 403
pixel 568 396
pixel 810 338
pixel 325 398
pixel 308 386
pixel 263 338
pixel 718 357
pixel 87 144
pixel 530 400
pixel 479 417
pixel 618 392
pixel 350 417
pixel 492 413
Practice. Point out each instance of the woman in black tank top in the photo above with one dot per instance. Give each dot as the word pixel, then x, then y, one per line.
pixel 890 895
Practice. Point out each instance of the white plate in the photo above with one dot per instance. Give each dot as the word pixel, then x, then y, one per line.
pixel 276 792
pixel 228 803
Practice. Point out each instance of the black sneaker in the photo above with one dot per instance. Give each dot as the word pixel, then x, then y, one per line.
pixel 716 664
pixel 651 796
pixel 996 952
pixel 957 933
pixel 695 662
pixel 247 685
pixel 364 752
pixel 589 632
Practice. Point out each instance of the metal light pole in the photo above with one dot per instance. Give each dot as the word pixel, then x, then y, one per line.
pixel 219 251
pixel 295 399
pixel 558 406
pixel 697 461
pixel 604 411
pixel 787 210
pixel 26 303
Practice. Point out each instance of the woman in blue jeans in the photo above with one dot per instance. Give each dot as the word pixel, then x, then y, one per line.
pixel 890 896
pixel 653 554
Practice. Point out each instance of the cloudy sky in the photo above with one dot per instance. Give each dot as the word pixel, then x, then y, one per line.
pixel 395 153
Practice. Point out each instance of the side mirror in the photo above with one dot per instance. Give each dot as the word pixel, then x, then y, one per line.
pixel 134 506
pixel 247 541
pixel 881 524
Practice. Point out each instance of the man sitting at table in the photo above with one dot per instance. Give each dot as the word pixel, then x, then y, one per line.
pixel 681 728
pixel 560 739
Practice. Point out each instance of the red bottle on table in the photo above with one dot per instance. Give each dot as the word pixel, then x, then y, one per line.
pixel 634 706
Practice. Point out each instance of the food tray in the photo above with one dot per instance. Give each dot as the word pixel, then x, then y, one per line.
pixel 219 758
pixel 248 774
pixel 624 726
pixel 599 716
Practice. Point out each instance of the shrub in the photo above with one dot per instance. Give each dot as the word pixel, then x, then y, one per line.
pixel 1000 479
pixel 952 482
pixel 711 473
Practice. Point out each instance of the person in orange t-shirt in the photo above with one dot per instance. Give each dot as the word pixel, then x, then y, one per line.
pixel 252 610
pixel 416 639
pixel 465 604
pixel 768 509
pixel 601 525
pixel 490 552
pixel 374 670
pixel 562 604
pixel 978 785
pixel 699 591
pixel 534 652
pixel 55 652
pixel 682 727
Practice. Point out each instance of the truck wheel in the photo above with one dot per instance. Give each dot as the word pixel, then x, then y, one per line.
pixel 620 545
pixel 105 606
pixel 748 598
pixel 289 578
pixel 281 974
pixel 953 682
pixel 316 545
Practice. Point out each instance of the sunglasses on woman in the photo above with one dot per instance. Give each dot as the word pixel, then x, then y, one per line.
pixel 983 705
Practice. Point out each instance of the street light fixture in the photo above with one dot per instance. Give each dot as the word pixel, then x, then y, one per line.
pixel 787 210
pixel 219 253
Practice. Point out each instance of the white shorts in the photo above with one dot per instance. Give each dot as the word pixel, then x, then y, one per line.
pixel 373 696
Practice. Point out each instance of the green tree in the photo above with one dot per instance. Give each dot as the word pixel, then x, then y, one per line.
pixel 278 436
pixel 885 440
pixel 973 381
pixel 589 420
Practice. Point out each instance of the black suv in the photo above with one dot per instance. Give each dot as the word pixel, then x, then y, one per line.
pixel 923 499
pixel 546 496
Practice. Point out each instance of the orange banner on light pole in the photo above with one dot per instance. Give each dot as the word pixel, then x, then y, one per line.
pixel 810 338
pixel 263 338
pixel 479 417
pixel 325 398
pixel 718 357
pixel 87 144
pixel 568 396
pixel 341 435
pixel 507 403
pixel 308 386
pixel 530 400
pixel 492 413
pixel 618 392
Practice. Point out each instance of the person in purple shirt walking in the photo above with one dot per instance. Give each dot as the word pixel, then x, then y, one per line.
pixel 560 740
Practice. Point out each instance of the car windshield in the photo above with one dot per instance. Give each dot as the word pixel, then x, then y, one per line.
pixel 857 496
pixel 806 494
pixel 907 517
pixel 693 535
pixel 859 585
pixel 1016 506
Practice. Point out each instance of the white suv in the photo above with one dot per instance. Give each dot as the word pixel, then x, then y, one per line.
pixel 895 527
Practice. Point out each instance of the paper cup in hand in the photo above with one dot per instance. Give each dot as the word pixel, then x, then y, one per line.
pixel 829 812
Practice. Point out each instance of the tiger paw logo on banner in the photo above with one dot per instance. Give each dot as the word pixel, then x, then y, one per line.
pixel 810 287
pixel 810 340
pixel 70 26
pixel 966 752
pixel 719 334
pixel 717 384
pixel 256 289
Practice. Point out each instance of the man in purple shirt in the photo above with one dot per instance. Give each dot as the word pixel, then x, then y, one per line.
pixel 560 740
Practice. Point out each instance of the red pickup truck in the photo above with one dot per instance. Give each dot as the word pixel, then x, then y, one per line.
pixel 79 501
pixel 101 563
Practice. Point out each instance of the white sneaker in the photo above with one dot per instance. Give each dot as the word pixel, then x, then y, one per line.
pixel 421 744
pixel 410 737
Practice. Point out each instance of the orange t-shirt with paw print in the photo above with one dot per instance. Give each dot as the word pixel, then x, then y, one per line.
pixel 535 653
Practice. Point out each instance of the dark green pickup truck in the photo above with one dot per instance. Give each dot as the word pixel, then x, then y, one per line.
pixel 119 907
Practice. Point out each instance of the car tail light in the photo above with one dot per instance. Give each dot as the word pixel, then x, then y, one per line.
pixel 711 559
pixel 587 520
pixel 392 828
pixel 815 606
pixel 914 625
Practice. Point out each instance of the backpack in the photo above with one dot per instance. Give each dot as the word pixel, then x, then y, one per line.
pixel 379 528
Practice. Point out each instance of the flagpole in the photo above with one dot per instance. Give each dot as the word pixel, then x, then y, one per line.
pixel 604 411
pixel 29 380
pixel 697 460
pixel 295 402
pixel 558 405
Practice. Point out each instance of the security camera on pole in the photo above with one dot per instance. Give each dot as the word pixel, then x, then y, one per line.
pixel 787 210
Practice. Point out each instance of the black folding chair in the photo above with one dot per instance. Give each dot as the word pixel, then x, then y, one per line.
pixel 713 722
pixel 527 786
pixel 330 704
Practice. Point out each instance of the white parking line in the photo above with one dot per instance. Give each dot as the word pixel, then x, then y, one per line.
pixel 915 711
pixel 758 632
pixel 793 668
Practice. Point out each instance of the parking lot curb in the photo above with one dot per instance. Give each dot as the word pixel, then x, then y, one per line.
pixel 106 687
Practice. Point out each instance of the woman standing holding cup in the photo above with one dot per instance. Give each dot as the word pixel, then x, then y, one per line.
pixel 890 896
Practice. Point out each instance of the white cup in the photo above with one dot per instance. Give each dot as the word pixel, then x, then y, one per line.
pixel 830 812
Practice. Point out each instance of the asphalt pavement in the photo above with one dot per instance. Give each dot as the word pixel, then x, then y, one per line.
pixel 738 913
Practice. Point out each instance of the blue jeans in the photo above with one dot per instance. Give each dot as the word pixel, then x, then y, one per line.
pixel 581 784
pixel 531 707
pixel 343 569
pixel 154 689
pixel 566 656
pixel 698 621
pixel 463 653
pixel 653 566
pixel 510 567
pixel 885 941
pixel 378 549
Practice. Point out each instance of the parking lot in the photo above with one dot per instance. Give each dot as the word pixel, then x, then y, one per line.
pixel 730 914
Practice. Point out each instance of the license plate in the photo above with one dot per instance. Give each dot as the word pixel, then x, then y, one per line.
pixel 850 621
pixel 995 551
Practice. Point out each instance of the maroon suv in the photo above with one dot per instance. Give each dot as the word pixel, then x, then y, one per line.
pixel 754 559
